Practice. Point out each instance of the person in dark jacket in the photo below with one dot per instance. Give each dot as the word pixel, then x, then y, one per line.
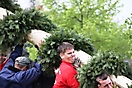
pixel 5 83
pixel 17 70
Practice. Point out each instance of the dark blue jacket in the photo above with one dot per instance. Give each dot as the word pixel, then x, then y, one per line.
pixel 24 79
pixel 5 83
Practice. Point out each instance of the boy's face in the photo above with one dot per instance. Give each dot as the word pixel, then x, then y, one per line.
pixel 105 83
pixel 2 58
pixel 68 56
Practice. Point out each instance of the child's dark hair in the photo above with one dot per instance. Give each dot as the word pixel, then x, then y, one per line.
pixel 102 76
pixel 64 46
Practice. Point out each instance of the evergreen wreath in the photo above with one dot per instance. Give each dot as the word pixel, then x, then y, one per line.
pixel 48 49
pixel 14 27
pixel 110 62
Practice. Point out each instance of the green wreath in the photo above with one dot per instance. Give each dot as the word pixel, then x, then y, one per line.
pixel 14 27
pixel 110 62
pixel 48 49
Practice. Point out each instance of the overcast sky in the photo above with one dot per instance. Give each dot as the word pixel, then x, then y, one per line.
pixel 125 10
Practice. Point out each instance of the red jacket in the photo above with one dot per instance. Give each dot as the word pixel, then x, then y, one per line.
pixel 65 77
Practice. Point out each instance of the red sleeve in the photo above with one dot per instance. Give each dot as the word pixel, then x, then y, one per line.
pixel 2 65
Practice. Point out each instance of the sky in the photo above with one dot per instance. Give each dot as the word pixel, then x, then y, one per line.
pixel 125 11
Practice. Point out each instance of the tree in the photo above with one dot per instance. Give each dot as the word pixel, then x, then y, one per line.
pixel 78 12
pixel 94 19
pixel 128 33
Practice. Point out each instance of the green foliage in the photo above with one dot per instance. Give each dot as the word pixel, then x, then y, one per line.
pixel 74 14
pixel 94 19
pixel 128 22
pixel 130 86
pixel 33 52
pixel 109 62
pixel 13 28
pixel 128 37
pixel 10 5
pixel 48 49
pixel 113 38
